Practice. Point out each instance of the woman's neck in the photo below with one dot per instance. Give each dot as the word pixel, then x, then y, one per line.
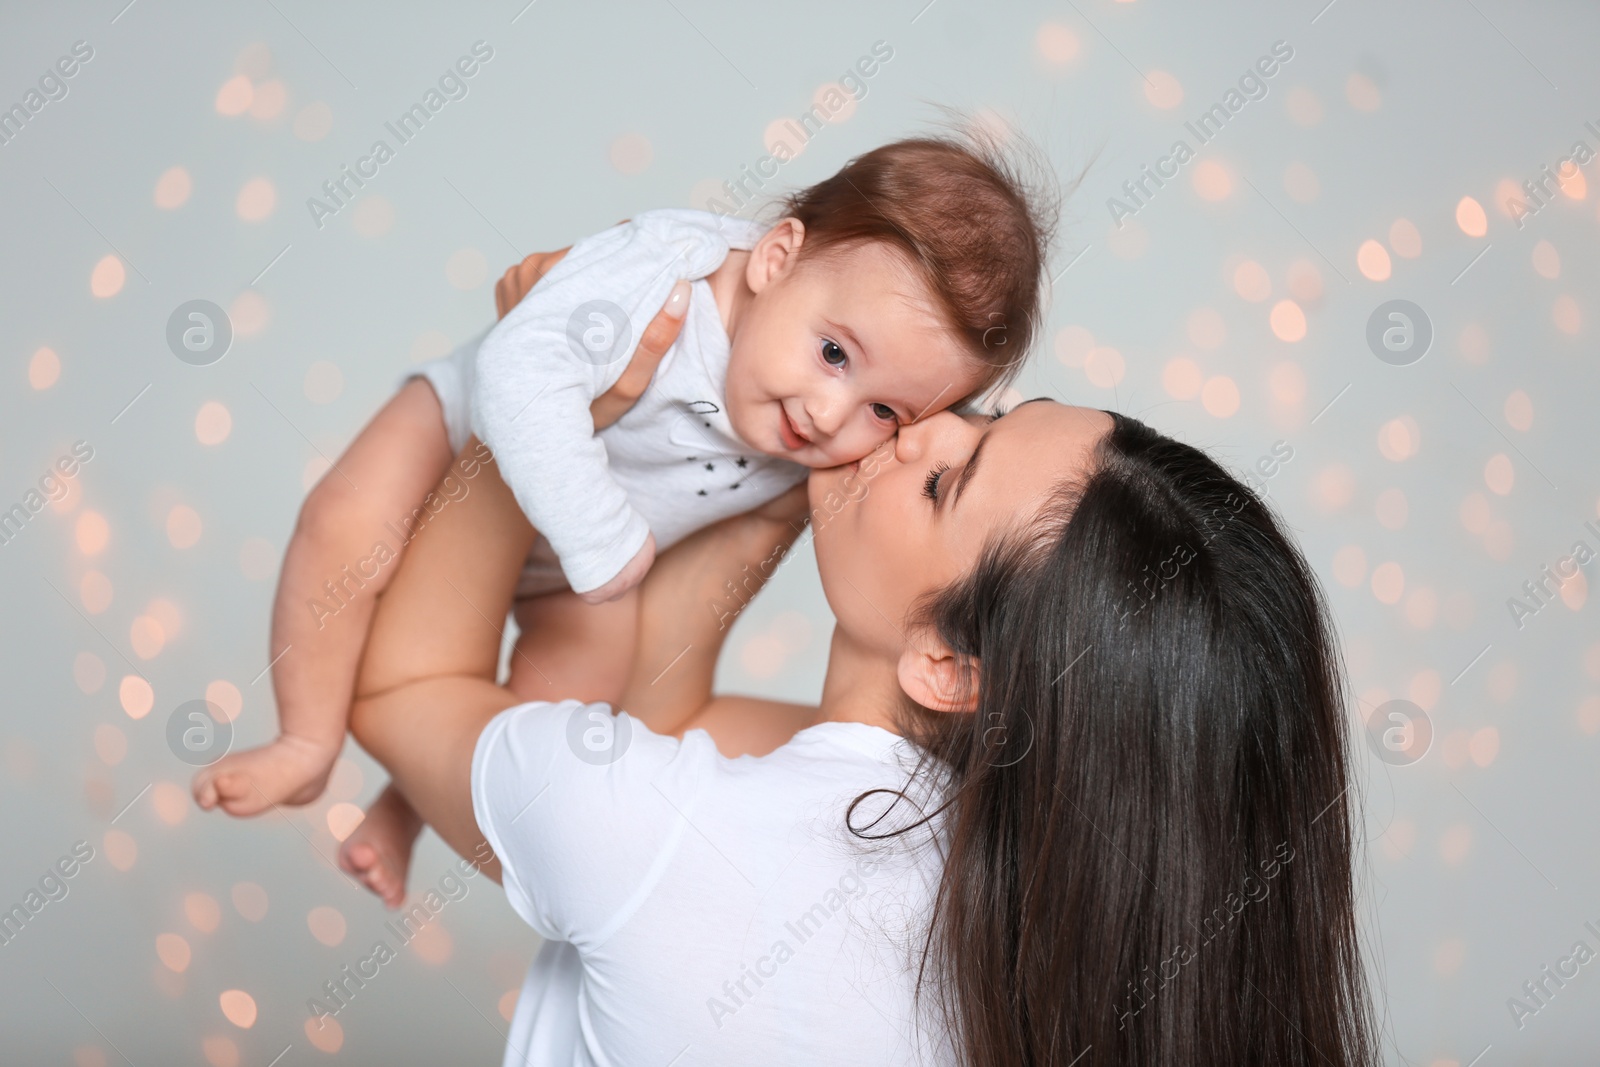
pixel 860 686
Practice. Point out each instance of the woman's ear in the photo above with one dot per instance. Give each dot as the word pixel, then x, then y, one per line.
pixel 774 253
pixel 938 678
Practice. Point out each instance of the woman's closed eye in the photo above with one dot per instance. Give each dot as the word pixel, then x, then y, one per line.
pixel 930 487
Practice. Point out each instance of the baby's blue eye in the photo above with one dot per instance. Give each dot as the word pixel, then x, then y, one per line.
pixel 832 354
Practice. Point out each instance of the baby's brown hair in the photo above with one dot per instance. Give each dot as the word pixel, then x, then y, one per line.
pixel 961 212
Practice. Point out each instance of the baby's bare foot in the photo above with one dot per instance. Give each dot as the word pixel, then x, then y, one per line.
pixel 378 852
pixel 291 770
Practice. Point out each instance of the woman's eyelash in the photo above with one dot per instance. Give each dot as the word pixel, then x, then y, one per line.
pixel 930 488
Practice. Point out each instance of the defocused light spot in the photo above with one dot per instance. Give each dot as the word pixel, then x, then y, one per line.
pixel 433 943
pixel 1519 410
pixel 1206 328
pixel 269 102
pixel 171 802
pixel 1128 241
pixel 147 637
pixel 1546 260
pixel 1059 45
pixel 89 1056
pixel 631 153
pixel 324 382
pixel 1181 378
pixel 1589 715
pixel 1485 746
pixel 1405 239
pixel 220 1051
pixel 326 925
pixel 110 744
pixel 225 695
pixel 1103 366
pixel 1475 513
pixel 254 60
pixel 44 368
pixel 167 614
pixel 173 188
pixel 1510 198
pixel 238 1007
pixel 122 852
pixel 95 591
pixel 136 696
pixel 1072 345
pixel 1566 315
pixel 325 1033
pixel 1422 608
pixel 1391 509
pixel 92 533
pixel 1399 439
pixel 1212 180
pixel 1499 475
pixel 173 951
pixel 1301 183
pixel 466 269
pixel 89 672
pixel 107 278
pixel 1303 106
pixel 1388 582
pixel 1425 688
pixel 313 122
pixel 1287 381
pixel 1288 321
pixel 1251 281
pixel 1455 844
pixel 343 818
pixel 250 901
pixel 183 526
pixel 1350 566
pixel 1362 94
pixel 1373 259
pixel 1474 344
pixel 1305 281
pixel 212 423
pixel 1220 396
pixel 1574 591
pixel 256 199
pixel 1572 182
pixel 1470 217
pixel 373 215
pixel 1333 487
pixel 834 102
pixel 257 559
pixel 1502 681
pixel 1449 956
pixel 203 911
pixel 783 139
pixel 1164 91
pixel 249 313
pixel 508 1004
pixel 1399 839
pixel 234 97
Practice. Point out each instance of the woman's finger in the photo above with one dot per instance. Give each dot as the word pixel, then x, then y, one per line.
pixel 653 344
pixel 515 283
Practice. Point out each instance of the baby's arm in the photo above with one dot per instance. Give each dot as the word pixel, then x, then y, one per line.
pixel 332 576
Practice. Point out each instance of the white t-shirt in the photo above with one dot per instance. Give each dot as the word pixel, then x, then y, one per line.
pixel 700 910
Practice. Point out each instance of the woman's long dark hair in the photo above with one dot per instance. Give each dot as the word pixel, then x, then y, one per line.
pixel 1147 827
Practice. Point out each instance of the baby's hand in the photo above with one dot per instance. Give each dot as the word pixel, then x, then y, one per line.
pixel 630 575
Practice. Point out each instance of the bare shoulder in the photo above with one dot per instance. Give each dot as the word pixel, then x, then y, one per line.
pixel 750 726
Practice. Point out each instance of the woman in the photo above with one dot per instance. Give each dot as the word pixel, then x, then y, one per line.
pixel 1075 792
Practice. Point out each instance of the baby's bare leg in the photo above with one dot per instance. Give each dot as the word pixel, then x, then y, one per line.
pixel 344 551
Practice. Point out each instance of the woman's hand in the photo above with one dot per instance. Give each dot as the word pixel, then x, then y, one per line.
pixel 653 343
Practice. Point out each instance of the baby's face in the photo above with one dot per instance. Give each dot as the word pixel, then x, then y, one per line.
pixel 833 355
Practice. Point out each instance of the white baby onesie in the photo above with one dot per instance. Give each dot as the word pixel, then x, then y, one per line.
pixel 669 466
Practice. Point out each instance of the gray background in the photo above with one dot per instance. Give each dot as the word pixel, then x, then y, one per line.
pixel 1479 862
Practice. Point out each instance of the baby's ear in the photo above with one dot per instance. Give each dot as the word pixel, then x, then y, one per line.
pixel 774 253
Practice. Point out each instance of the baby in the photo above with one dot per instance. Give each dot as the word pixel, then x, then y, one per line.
pixel 908 282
